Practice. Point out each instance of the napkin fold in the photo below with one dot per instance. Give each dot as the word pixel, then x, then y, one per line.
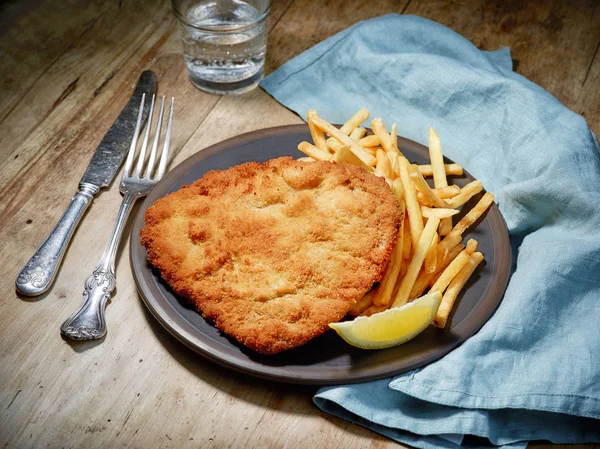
pixel 533 371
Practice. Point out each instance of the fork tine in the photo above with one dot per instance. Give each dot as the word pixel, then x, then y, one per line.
pixel 136 134
pixel 141 159
pixel 165 154
pixel 152 159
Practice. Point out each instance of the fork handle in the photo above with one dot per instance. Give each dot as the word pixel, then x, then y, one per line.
pixel 39 272
pixel 88 322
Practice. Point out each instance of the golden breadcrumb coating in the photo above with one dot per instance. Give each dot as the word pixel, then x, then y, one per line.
pixel 273 252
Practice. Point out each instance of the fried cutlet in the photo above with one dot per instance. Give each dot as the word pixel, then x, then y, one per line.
pixel 273 252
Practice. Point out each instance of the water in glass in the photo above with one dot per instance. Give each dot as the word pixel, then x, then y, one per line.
pixel 224 46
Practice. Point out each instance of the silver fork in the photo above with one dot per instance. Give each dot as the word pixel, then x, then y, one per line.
pixel 88 323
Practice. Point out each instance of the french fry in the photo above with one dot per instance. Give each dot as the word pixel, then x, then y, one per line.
pixel 380 131
pixel 478 210
pixel 424 188
pixel 343 154
pixel 369 141
pixel 450 272
pixel 425 279
pixel 391 155
pixel 358 133
pixel 466 193
pixel 423 201
pixel 404 240
pixel 312 151
pixel 372 151
pixel 442 193
pixel 450 169
pixel 420 285
pixel 449 298
pixel 450 256
pixel 355 121
pixel 352 124
pixel 413 208
pixel 407 242
pixel 362 304
pixel 437 160
pixel 471 246
pixel 452 239
pixel 415 264
pixel 398 190
pixel 394 137
pixel 333 145
pixel 383 295
pixel 400 277
pixel 306 159
pixel 471 217
pixel 427 212
pixel 317 135
pixel 446 192
pixel 383 165
pixel 431 256
pixel 439 173
pixel 346 140
pixel 421 258
pixel 396 163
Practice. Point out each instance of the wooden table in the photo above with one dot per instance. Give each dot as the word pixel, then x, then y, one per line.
pixel 67 68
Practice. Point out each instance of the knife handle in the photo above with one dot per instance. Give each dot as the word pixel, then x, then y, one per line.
pixel 38 273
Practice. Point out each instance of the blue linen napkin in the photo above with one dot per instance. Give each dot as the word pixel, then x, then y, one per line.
pixel 533 370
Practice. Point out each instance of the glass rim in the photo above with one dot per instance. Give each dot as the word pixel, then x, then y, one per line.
pixel 183 20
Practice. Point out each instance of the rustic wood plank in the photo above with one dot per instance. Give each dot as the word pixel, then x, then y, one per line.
pixel 77 87
pixel 32 196
pixel 35 34
pixel 254 110
pixel 140 387
pixel 80 84
pixel 307 23
pixel 588 100
pixel 34 202
pixel 552 42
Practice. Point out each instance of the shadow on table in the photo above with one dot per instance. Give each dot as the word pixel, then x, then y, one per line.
pixel 206 369
pixel 51 289
pixel 81 346
pixel 283 397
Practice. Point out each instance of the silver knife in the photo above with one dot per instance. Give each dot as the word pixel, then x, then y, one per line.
pixel 39 272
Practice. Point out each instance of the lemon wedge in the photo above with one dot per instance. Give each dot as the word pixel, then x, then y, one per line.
pixel 391 327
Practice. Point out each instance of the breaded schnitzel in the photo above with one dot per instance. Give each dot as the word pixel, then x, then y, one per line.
pixel 273 252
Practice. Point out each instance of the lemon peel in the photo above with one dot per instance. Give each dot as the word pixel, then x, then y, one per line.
pixel 391 327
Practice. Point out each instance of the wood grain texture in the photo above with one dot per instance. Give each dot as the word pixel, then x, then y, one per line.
pixel 553 43
pixel 38 25
pixel 68 69
pixel 308 22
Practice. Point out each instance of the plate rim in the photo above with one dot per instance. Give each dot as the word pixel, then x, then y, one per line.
pixel 180 330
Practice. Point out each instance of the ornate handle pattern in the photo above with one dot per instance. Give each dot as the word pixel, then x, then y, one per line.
pixel 39 272
pixel 88 323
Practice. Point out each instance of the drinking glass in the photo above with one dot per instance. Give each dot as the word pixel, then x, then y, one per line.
pixel 224 42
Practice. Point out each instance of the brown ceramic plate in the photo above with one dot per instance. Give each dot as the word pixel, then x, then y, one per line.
pixel 326 359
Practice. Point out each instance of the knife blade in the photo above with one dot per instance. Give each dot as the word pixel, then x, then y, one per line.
pixel 39 272
pixel 110 153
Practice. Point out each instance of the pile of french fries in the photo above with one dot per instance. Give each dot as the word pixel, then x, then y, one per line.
pixel 429 253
